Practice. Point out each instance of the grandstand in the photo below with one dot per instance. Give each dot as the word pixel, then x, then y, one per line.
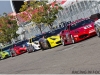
pixel 76 9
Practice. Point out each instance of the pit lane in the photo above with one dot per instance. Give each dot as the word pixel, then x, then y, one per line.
pixel 84 55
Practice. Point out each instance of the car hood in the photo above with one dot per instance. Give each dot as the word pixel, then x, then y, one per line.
pixel 54 37
pixel 83 29
pixel 4 52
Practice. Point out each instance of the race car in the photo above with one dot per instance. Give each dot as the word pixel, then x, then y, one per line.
pixel 77 31
pixel 49 42
pixel 4 54
pixel 97 27
pixel 17 50
pixel 34 43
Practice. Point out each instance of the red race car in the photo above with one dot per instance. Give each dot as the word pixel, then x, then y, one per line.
pixel 17 50
pixel 77 31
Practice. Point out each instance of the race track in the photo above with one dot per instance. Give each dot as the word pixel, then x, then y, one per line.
pixel 82 56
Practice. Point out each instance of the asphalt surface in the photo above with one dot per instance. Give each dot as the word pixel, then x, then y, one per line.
pixel 82 57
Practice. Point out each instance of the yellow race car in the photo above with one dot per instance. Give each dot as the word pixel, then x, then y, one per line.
pixel 49 42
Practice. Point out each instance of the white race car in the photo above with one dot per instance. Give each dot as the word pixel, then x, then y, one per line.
pixel 34 45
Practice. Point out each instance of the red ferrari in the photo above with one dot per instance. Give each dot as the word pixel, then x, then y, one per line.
pixel 77 31
pixel 17 50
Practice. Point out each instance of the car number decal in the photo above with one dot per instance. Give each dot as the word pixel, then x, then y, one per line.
pixel 88 26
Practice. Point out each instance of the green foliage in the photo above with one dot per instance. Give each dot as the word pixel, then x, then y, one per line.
pixel 24 7
pixel 8 28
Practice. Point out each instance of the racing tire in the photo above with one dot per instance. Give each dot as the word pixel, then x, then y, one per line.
pixel 1 57
pixel 41 47
pixel 62 42
pixel 97 32
pixel 34 49
pixel 28 51
pixel 72 38
pixel 13 54
pixel 48 44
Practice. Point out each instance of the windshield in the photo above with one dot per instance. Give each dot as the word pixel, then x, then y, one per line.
pixel 36 38
pixel 53 38
pixel 80 24
pixel 17 47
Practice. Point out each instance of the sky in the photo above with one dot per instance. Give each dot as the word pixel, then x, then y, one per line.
pixel 5 7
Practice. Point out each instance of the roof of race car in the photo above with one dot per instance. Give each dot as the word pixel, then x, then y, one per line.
pixel 79 20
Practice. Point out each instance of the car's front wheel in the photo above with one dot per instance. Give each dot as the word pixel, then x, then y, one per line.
pixel 33 49
pixel 72 38
pixel 62 42
pixel 49 46
pixel 30 49
pixel 1 57
pixel 42 48
pixel 13 54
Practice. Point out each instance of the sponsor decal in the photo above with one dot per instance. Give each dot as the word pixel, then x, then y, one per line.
pixel 88 26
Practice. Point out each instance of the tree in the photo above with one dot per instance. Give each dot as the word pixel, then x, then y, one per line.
pixel 8 28
pixel 42 12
